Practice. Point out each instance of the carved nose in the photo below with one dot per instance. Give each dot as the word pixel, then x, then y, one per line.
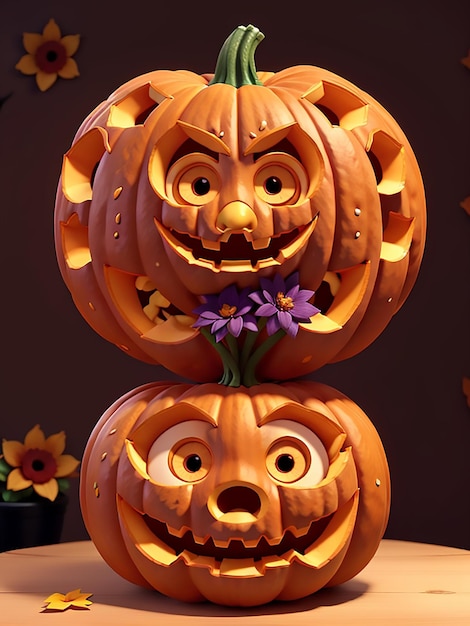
pixel 237 503
pixel 237 216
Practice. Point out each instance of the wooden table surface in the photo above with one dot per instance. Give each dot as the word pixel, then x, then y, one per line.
pixel 405 583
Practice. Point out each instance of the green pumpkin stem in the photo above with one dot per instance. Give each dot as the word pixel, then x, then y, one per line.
pixel 236 61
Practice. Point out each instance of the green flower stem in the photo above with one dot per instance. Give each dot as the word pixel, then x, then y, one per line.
pixel 231 375
pixel 249 342
pixel 249 375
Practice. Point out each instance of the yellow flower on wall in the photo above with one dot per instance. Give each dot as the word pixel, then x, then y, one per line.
pixel 38 463
pixel 49 55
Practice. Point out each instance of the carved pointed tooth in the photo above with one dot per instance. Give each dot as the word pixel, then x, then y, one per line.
pixel 177 532
pixel 208 244
pixel 260 244
pixel 193 560
pixel 271 562
pixel 143 538
pixel 239 568
pixel 333 539
pixel 221 543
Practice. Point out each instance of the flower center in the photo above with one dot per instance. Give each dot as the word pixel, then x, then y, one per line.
pixel 227 310
pixel 284 303
pixel 50 57
pixel 38 466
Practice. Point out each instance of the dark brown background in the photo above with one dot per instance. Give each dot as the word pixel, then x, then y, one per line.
pixel 57 372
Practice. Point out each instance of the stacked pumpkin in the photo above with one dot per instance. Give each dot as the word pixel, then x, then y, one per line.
pixel 238 228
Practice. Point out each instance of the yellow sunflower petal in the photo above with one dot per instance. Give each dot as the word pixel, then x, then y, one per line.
pixel 70 43
pixel 13 452
pixel 44 80
pixel 27 65
pixel 32 41
pixel 16 481
pixel 35 439
pixel 66 464
pixel 70 69
pixel 47 490
pixel 51 31
pixel 55 444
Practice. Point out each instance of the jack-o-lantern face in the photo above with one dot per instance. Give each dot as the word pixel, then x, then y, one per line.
pixel 179 186
pixel 236 496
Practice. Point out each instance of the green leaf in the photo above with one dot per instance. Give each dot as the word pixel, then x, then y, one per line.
pixel 4 467
pixel 15 496
pixel 63 483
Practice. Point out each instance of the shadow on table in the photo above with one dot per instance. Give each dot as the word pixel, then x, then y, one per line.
pixel 148 600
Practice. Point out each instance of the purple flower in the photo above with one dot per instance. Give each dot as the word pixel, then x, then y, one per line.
pixel 228 312
pixel 284 304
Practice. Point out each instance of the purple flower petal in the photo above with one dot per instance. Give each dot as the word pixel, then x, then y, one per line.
pixel 304 310
pixel 285 320
pixel 272 325
pixel 219 335
pixel 235 326
pixel 266 310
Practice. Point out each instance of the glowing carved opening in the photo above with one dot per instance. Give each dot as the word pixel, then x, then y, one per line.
pixel 340 106
pixel 397 237
pixel 350 292
pixel 168 324
pixel 80 164
pixel 390 155
pixel 132 110
pixel 75 243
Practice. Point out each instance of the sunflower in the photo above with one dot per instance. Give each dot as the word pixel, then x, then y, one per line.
pixel 38 463
pixel 49 55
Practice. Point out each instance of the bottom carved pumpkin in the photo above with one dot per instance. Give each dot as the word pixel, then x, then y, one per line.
pixel 239 496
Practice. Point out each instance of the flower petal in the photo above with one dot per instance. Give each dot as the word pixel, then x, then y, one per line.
pixel 47 490
pixel 27 65
pixel 13 451
pixel 220 334
pixel 235 326
pixel 70 43
pixel 35 439
pixel 51 31
pixel 70 69
pixel 66 464
pixel 16 481
pixel 44 81
pixel 257 297
pixel 266 310
pixel 32 41
pixel 304 311
pixel 285 319
pixel 55 444
pixel 272 325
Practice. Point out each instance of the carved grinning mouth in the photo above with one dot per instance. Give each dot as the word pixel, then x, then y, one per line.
pixel 323 541
pixel 237 251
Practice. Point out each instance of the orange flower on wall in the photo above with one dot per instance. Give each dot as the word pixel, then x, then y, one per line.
pixel 49 55
pixel 38 463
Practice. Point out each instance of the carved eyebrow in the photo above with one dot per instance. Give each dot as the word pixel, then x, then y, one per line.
pixel 269 139
pixel 205 138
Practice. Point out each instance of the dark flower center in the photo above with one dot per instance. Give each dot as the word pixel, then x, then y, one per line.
pixel 284 303
pixel 50 57
pixel 38 466
pixel 227 310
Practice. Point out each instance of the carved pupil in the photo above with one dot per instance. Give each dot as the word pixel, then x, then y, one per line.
pixel 201 186
pixel 273 185
pixel 193 463
pixel 285 463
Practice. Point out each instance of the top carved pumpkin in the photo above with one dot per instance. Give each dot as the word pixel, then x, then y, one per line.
pixel 179 185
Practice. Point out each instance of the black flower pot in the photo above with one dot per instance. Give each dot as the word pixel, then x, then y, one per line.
pixel 27 524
